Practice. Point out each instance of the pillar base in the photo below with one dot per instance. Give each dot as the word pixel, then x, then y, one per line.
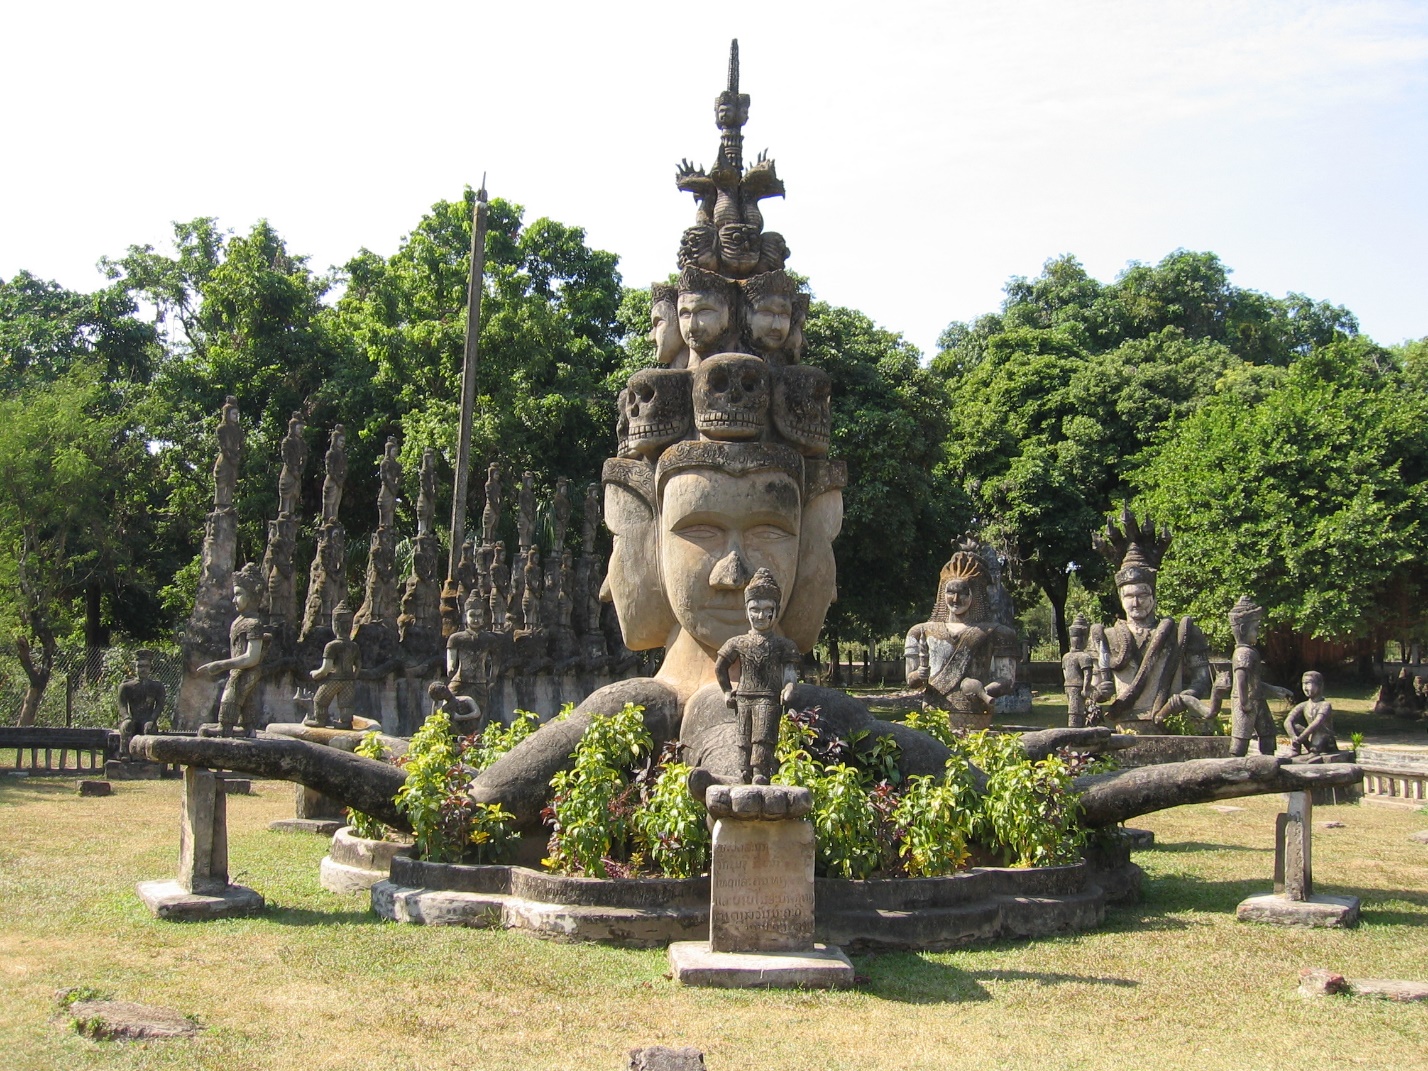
pixel 170 900
pixel 821 967
pixel 1341 912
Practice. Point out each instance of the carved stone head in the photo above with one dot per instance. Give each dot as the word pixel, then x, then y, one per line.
pixel 655 412
pixel 706 311
pixel 670 346
pixel 802 409
pixel 768 313
pixel 731 397
pixel 741 247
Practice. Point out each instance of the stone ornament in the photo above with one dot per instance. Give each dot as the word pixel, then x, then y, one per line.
pixel 337 676
pixel 1249 709
pixel 767 803
pixel 1077 668
pixel 656 411
pixel 390 486
pixel 731 397
pixel 1310 724
pixel 230 452
pixel 708 307
pixel 248 639
pixel 1147 667
pixel 336 474
pixel 802 408
pixel 294 450
pixel 671 351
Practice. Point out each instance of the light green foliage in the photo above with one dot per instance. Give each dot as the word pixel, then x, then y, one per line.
pixel 1029 811
pixel 592 807
pixel 845 824
pixel 497 739
pixel 934 819
pixel 934 723
pixel 448 826
pixel 670 827
pixel 364 825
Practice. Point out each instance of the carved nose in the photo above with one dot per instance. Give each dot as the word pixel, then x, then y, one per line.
pixel 731 571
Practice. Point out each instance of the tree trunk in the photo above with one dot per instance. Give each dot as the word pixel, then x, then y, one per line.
pixel 835 666
pixel 37 675
pixel 868 663
pixel 1055 589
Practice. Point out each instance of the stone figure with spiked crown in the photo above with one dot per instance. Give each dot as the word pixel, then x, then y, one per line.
pixel 1077 667
pixel 768 669
pixel 1249 694
pixel 248 639
pixel 961 657
pixel 1147 667
pixel 337 676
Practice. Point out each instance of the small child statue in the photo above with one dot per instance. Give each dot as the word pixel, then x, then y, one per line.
pixel 1311 722
pixel 768 670
pixel 1249 709
pixel 1076 669
pixel 337 676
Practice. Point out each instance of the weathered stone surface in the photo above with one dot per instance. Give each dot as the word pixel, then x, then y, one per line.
pixel 237 786
pixel 1138 840
pixel 819 967
pixel 131 770
pixel 1153 750
pixel 753 802
pixel 761 886
pixel 170 900
pixel 323 827
pixel 1421 837
pixel 1389 989
pixel 96 788
pixel 1317 982
pixel 355 864
pixel 203 836
pixel 663 1058
pixel 122 1020
pixel 1340 912
pixel 1293 859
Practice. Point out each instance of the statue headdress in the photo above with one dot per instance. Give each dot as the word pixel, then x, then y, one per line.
pixel 250 579
pixel 1244 612
pixel 963 565
pixel 1079 626
pixel 1136 548
pixel 763 586
pixel 342 610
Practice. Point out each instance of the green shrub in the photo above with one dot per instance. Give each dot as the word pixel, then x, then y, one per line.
pixel 448 826
pixel 593 805
pixel 933 820
pixel 1029 814
pixel 670 826
pixel 497 739
pixel 364 825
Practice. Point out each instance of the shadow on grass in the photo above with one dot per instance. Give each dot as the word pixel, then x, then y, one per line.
pixel 912 978
pixel 1385 915
pixel 306 916
pixel 1202 846
pixel 12 787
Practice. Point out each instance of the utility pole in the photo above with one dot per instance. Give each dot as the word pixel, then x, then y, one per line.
pixel 474 288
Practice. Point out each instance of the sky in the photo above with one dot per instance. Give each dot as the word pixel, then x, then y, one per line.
pixel 930 151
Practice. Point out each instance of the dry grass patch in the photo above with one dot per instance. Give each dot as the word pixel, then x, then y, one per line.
pixel 318 983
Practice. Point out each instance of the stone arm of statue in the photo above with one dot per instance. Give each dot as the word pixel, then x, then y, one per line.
pixel 727 654
pixel 790 679
pixel 1103 682
pixel 1195 660
pixel 329 664
pixel 1299 715
pixel 251 656
pixel 915 655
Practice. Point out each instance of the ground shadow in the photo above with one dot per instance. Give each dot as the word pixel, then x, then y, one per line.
pixel 49 785
pixel 306 916
pixel 1202 846
pixel 912 978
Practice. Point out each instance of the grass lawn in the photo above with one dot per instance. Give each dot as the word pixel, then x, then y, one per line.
pixel 319 983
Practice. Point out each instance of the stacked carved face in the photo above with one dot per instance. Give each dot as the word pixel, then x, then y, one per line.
pixel 722 470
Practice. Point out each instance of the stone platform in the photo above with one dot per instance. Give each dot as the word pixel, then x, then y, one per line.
pixel 170 900
pixel 692 963
pixel 1336 912
pixel 322 827
pixel 1395 775
pixel 354 864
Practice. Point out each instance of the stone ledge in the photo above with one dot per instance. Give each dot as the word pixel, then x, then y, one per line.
pixel 1337 912
pixel 822 967
pixel 170 900
pixel 323 827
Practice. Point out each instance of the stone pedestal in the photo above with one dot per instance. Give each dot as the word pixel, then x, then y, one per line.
pixel 354 864
pixel 201 890
pixel 761 897
pixel 1293 902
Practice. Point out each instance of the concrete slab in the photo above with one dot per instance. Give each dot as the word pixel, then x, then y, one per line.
pixel 822 967
pixel 170 900
pixel 1341 912
pixel 322 827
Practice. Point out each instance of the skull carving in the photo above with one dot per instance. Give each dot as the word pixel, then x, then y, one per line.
pixel 801 408
pixel 731 397
pixel 654 412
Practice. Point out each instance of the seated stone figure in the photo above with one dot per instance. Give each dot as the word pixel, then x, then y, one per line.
pixel 141 701
pixel 1311 723
pixel 1147 667
pixel 960 658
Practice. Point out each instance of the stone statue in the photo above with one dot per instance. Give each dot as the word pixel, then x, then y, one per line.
pixel 422 596
pixel 379 604
pixel 961 658
pixel 1077 668
pixel 248 639
pixel 590 519
pixel 534 581
pixel 768 669
pixel 230 452
pixel 468 655
pixel 463 711
pixel 327 579
pixel 1311 723
pixel 1249 710
pixel 336 477
pixel 526 511
pixel 500 590
pixel 337 676
pixel 491 514
pixel 772 322
pixel 560 515
pixel 390 474
pixel 656 411
pixel 281 596
pixel 707 312
pixel 426 496
pixel 141 700
pixel 467 580
pixel 294 449
pixel 1147 667
pixel 671 351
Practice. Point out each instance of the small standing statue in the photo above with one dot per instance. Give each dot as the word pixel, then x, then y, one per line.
pixel 337 676
pixel 1077 668
pixel 500 589
pixel 390 473
pixel 526 515
pixel 560 512
pixel 247 640
pixel 491 514
pixel 1311 723
pixel 531 594
pixel 768 669
pixel 1249 710
pixel 426 495
pixel 336 478
pixel 141 701
pixel 467 654
pixel 590 520
pixel 230 450
pixel 294 449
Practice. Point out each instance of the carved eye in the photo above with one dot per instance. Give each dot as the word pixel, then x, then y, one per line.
pixel 719 380
pixel 751 380
pixel 646 392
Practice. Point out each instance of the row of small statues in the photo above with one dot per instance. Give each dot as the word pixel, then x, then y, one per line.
pixel 1402 696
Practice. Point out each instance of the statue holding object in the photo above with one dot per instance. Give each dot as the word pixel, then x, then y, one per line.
pixel 248 640
pixel 768 669
pixel 337 676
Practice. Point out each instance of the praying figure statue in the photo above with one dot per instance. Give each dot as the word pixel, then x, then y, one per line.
pixel 768 669
pixel 141 701
pixel 1311 723
pixel 1077 666
pixel 294 451
pixel 961 658
pixel 337 676
pixel 390 474
pixel 491 513
pixel 247 640
pixel 230 451
pixel 336 477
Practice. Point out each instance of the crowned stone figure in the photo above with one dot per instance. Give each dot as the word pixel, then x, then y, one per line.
pixel 248 639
